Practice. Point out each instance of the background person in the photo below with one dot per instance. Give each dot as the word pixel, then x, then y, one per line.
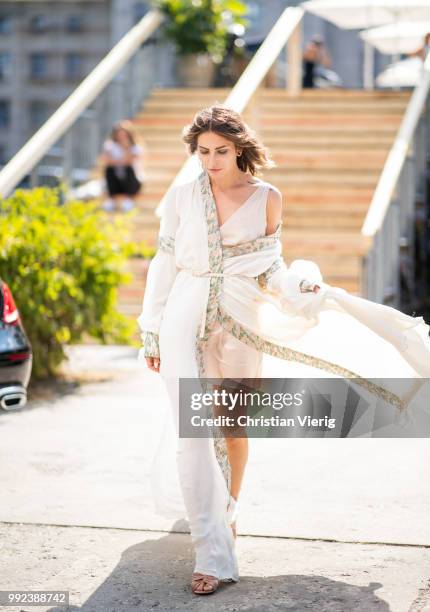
pixel 121 158
pixel 314 55
pixel 422 51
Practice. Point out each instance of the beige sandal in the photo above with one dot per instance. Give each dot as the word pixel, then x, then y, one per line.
pixel 199 582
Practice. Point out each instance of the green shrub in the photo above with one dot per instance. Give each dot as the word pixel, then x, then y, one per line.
pixel 200 26
pixel 64 264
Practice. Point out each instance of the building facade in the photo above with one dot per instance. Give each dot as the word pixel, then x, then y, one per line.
pixel 47 48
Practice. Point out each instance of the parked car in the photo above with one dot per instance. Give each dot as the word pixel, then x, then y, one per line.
pixel 16 356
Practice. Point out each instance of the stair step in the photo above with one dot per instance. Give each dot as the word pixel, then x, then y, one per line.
pixel 348 133
pixel 146 210
pixel 340 121
pixel 304 191
pixel 221 93
pixel 281 109
pixel 167 148
pixel 343 131
pixel 284 175
pixel 292 159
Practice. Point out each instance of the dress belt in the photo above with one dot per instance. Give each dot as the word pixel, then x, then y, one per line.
pixel 205 273
pixel 308 287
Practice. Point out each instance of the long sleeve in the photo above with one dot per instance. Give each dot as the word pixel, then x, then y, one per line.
pixel 160 277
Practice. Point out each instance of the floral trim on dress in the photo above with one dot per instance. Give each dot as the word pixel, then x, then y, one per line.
pixel 215 254
pixel 212 311
pixel 150 344
pixel 277 350
pixel 166 244
pixel 251 246
pixel 263 278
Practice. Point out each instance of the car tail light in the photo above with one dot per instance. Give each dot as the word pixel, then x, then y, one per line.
pixel 10 311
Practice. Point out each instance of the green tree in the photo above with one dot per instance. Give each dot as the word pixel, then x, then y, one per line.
pixel 64 264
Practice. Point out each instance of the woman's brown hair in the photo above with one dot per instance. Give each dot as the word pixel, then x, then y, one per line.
pixel 125 126
pixel 228 123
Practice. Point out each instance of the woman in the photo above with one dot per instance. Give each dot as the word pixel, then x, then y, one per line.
pixel 422 51
pixel 221 303
pixel 315 54
pixel 121 157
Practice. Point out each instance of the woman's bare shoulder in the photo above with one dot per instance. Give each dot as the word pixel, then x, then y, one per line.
pixel 273 209
pixel 274 201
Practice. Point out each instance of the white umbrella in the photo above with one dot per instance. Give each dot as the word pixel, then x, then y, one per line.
pixel 357 14
pixel 405 37
pixel 406 73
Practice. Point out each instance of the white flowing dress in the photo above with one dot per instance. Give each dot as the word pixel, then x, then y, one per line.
pixel 221 302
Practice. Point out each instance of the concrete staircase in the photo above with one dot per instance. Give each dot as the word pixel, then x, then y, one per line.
pixel 329 146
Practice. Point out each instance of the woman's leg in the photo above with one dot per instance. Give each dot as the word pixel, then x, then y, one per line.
pixel 237 361
pixel 237 449
pixel 131 188
pixel 236 444
pixel 115 187
pixel 118 198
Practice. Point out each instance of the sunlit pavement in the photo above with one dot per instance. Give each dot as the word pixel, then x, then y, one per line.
pixel 346 521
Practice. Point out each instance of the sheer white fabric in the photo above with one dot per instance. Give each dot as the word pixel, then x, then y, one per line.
pixel 332 326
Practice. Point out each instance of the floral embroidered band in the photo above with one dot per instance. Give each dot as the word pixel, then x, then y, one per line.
pixel 150 344
pixel 166 244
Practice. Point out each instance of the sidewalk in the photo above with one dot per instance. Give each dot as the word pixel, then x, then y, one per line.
pixel 330 525
pixel 109 570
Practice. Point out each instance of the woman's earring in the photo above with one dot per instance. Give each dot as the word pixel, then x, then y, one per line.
pixel 239 154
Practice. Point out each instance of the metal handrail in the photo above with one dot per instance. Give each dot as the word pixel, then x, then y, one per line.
pixel 285 31
pixel 396 158
pixel 54 128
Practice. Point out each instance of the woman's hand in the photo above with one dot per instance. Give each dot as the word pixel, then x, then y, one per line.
pixel 128 158
pixel 308 287
pixel 153 363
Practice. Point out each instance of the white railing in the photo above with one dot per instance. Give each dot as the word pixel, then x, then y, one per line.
pixel 76 105
pixel 286 31
pixel 390 220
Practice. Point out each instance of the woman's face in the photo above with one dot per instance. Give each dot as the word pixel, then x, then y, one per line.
pixel 217 154
pixel 122 137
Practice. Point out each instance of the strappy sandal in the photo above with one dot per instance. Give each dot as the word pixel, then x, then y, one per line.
pixel 199 582
pixel 232 512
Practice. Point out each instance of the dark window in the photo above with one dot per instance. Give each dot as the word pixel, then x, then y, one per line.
pixel 5 24
pixel 4 113
pixel 74 66
pixel 39 113
pixel 74 23
pixel 5 65
pixel 38 65
pixel 39 23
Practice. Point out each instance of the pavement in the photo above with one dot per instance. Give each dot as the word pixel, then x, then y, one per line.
pixel 325 525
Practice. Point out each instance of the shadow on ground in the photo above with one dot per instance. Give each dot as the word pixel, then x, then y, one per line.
pixel 155 575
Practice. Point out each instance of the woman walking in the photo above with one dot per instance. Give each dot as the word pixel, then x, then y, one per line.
pixel 220 302
pixel 121 158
